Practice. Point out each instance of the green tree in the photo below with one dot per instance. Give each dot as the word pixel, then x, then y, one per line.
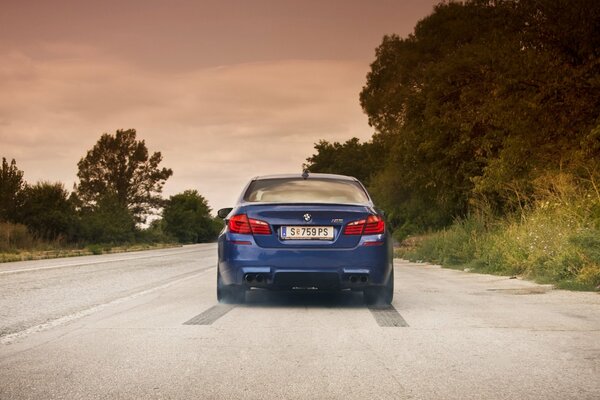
pixel 484 97
pixel 480 101
pixel 425 93
pixel 107 222
pixel 186 216
pixel 48 212
pixel 121 165
pixel 352 158
pixel 153 233
pixel 12 187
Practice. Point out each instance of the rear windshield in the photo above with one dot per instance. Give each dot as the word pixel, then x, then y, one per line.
pixel 312 190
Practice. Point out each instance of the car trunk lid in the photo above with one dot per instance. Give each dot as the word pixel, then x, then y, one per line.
pixel 307 215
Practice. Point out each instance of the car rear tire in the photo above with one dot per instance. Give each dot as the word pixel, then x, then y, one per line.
pixel 381 295
pixel 229 294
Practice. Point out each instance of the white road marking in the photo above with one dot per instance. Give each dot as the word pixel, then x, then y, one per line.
pixel 83 313
pixel 81 264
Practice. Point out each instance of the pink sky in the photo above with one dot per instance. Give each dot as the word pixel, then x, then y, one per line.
pixel 226 90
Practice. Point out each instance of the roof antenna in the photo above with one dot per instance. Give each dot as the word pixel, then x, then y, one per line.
pixel 305 174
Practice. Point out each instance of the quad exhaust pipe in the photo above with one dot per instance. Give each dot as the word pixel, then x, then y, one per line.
pixel 358 278
pixel 258 278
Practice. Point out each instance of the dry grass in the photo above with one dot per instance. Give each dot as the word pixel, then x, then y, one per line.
pixel 556 239
pixel 18 244
pixel 26 255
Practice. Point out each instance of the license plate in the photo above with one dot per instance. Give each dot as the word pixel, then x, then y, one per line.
pixel 306 232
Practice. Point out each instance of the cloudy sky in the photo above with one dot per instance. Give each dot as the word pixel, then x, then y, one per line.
pixel 226 90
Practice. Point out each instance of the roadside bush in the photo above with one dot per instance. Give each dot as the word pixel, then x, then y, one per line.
pixel 95 249
pixel 555 240
pixel 453 246
pixel 109 223
pixel 14 237
pixel 186 217
pixel 154 233
pixel 47 211
pixel 587 247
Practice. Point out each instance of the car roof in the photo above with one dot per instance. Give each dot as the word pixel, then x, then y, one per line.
pixel 310 175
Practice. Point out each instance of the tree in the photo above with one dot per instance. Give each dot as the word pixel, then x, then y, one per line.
pixel 47 211
pixel 419 96
pixel 121 165
pixel 483 98
pixel 352 158
pixel 12 186
pixel 108 222
pixel 153 233
pixel 186 216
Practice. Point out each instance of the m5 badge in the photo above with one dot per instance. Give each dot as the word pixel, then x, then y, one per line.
pixel 337 220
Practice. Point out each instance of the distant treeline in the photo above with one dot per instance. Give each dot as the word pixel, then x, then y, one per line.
pixel 480 107
pixel 118 190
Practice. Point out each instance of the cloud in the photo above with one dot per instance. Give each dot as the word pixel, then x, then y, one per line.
pixel 216 127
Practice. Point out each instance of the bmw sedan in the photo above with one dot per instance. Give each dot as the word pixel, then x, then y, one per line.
pixel 304 232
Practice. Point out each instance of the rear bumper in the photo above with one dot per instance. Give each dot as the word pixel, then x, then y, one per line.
pixel 324 268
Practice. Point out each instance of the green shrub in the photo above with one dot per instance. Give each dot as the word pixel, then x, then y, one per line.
pixel 154 233
pixel 555 240
pixel 453 246
pixel 95 249
pixel 186 217
pixel 108 222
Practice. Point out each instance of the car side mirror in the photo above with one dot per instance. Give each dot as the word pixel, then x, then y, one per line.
pixel 224 212
pixel 380 212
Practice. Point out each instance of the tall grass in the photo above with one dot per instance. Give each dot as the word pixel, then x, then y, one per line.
pixel 555 239
pixel 14 237
pixel 17 243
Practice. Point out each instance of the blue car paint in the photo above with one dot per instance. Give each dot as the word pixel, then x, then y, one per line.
pixel 345 256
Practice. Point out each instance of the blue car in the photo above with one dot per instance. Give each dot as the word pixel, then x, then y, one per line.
pixel 304 232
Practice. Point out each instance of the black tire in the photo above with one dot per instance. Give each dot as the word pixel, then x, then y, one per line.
pixel 229 294
pixel 381 295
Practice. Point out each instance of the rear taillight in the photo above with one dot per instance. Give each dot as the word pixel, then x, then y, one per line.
pixel 239 224
pixel 373 225
pixel 355 227
pixel 259 227
pixel 242 224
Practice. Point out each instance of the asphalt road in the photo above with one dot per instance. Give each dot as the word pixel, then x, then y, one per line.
pixel 146 326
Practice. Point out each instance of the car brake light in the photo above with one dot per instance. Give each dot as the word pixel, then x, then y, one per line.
pixel 239 224
pixel 373 225
pixel 242 224
pixel 355 227
pixel 259 227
